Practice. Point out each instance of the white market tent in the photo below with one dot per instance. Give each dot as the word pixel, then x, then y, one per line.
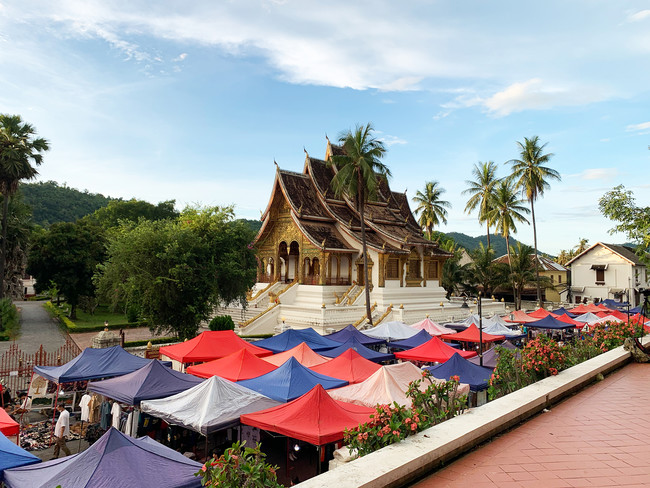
pixel 387 385
pixel 212 405
pixel 496 328
pixel 432 327
pixel 587 318
pixel 391 331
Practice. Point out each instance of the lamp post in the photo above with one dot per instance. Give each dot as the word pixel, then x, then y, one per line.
pixel 480 330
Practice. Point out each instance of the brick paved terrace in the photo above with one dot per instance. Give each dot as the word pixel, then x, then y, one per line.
pixel 598 437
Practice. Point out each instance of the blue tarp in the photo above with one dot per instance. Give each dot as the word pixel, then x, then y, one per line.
pixel 353 343
pixel 152 381
pixel 114 460
pixel 293 337
pixel 548 322
pixel 351 331
pixel 417 340
pixel 563 311
pixel 12 456
pixel 612 304
pixel 290 381
pixel 491 357
pixel 93 364
pixel 475 376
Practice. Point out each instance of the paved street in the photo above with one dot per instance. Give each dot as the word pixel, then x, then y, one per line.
pixel 36 328
pixel 598 437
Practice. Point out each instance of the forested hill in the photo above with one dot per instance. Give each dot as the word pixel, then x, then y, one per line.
pixel 52 202
pixel 498 243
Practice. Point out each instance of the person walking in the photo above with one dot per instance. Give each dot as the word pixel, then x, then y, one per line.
pixel 61 431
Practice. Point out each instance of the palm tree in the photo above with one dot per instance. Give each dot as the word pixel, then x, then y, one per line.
pixel 507 211
pixel 532 177
pixel 481 191
pixel 18 149
pixel 481 269
pixel 358 173
pixel 522 271
pixel 582 246
pixel 432 208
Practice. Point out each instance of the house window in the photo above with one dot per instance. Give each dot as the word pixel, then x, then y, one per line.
pixel 392 269
pixel 600 276
pixel 559 278
pixel 578 299
pixel 552 279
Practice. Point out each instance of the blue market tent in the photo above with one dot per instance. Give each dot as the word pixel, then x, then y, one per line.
pixel 290 381
pixel 12 456
pixel 353 343
pixel 351 331
pixel 417 340
pixel 491 356
pixel 563 311
pixel 549 322
pixel 152 381
pixel 114 460
pixel 636 310
pixel 93 364
pixel 611 304
pixel 293 337
pixel 476 377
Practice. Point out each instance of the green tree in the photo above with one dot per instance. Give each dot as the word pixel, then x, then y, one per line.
pixel 481 271
pixel 19 232
pixel 619 206
pixel 507 212
pixel 131 210
pixel 453 273
pixel 522 271
pixel 358 173
pixel 481 191
pixel 19 148
pixel 531 176
pixel 67 255
pixel 431 208
pixel 175 272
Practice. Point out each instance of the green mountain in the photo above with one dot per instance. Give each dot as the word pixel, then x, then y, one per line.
pixel 498 243
pixel 52 202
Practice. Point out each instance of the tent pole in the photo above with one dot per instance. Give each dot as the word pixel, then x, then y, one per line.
pixel 81 430
pixel 56 402
pixel 318 448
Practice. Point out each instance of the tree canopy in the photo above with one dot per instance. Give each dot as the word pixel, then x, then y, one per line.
pixel 67 255
pixel 175 272
pixel 131 210
pixel 619 205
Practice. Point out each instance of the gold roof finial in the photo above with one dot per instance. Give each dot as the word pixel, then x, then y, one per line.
pixel 322 244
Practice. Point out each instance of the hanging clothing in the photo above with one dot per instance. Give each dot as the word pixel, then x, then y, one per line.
pixel 84 404
pixel 116 411
pixel 128 426
pixel 105 415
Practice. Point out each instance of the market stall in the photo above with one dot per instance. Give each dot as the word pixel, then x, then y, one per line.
pixel 349 366
pixel 361 349
pixel 12 456
pixel 240 365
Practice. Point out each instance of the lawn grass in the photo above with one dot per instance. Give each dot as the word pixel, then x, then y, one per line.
pixel 86 322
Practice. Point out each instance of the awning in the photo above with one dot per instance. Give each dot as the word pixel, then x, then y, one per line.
pixel 599 266
pixel 578 289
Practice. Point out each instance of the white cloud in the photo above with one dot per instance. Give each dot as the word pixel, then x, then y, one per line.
pixel 392 140
pixel 599 174
pixel 639 16
pixel 534 94
pixel 644 126
pixel 180 57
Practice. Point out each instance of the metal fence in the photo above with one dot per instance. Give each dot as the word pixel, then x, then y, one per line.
pixel 16 366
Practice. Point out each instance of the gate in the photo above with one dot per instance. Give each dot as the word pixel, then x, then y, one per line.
pixel 16 366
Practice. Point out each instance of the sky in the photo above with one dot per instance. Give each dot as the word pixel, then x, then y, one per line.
pixel 194 101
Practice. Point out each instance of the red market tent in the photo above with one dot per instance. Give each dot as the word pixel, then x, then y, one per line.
pixel 472 334
pixel 582 308
pixel 314 417
pixel 304 354
pixel 349 366
pixel 8 426
pixel 616 313
pixel 434 351
pixel 565 318
pixel 519 317
pixel 540 313
pixel 210 345
pixel 240 365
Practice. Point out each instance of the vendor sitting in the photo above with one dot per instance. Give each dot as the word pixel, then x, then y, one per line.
pixel 25 406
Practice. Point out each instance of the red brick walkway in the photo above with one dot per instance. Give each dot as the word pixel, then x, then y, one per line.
pixel 599 437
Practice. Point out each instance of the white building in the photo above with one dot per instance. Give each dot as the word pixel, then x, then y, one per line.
pixel 607 271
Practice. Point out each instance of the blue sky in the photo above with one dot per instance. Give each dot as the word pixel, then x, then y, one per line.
pixel 193 101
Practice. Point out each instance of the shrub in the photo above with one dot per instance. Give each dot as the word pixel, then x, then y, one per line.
pixel 390 424
pixel 239 467
pixel 132 314
pixel 9 319
pixel 543 357
pixel 610 335
pixel 222 322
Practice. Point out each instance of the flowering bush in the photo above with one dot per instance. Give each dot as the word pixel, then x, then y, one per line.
pixel 239 467
pixel 543 357
pixel 610 335
pixel 509 375
pixel 390 424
